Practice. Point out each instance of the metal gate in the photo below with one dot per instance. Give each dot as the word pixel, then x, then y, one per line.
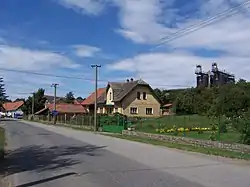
pixel 115 123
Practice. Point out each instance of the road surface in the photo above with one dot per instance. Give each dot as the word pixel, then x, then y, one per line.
pixel 42 155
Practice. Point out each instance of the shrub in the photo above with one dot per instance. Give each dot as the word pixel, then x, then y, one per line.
pixel 245 131
pixel 175 129
pixel 223 127
pixel 212 136
pixel 214 127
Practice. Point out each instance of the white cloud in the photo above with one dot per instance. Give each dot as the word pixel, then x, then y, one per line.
pixel 146 22
pixel 86 50
pixel 141 20
pixel 17 58
pixel 91 7
pixel 230 38
pixel 26 59
pixel 176 69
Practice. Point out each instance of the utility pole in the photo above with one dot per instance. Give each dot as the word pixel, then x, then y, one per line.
pixel 33 105
pixel 55 87
pixel 96 80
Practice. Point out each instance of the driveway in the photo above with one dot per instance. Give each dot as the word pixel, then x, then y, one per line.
pixel 43 155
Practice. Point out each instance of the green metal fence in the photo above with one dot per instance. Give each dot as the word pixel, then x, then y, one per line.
pixel 114 123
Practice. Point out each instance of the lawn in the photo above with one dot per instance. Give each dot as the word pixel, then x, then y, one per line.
pixel 167 122
pixel 2 138
pixel 192 148
pixel 2 141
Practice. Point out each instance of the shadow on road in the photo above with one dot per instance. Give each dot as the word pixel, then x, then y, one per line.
pixel 46 180
pixel 41 158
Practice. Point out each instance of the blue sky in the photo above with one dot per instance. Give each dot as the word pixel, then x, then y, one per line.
pixel 64 37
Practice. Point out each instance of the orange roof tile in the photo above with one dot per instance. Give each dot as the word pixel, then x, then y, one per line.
pixel 12 105
pixel 91 99
pixel 67 108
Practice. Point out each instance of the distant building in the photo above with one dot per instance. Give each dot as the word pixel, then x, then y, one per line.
pixel 212 78
pixel 50 99
pixel 13 109
pixel 202 78
pixel 63 109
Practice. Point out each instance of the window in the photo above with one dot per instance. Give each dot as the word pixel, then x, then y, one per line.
pixel 149 111
pixel 133 110
pixel 110 96
pixel 101 110
pixel 138 95
pixel 116 110
pixel 144 95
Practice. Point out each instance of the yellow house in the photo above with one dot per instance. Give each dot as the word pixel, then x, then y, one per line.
pixel 131 98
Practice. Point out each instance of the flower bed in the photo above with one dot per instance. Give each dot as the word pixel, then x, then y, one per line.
pixel 182 129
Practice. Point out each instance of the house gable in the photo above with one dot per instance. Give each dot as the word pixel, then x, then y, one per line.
pixel 151 101
pixel 109 96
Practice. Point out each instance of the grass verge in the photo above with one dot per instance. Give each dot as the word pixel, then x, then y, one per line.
pixel 185 147
pixel 2 142
pixel 76 127
pixel 209 151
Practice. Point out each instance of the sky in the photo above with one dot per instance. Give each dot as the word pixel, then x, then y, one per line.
pixel 64 37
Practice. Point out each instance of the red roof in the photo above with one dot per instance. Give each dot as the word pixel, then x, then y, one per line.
pixel 13 105
pixel 67 108
pixel 76 102
pixel 91 99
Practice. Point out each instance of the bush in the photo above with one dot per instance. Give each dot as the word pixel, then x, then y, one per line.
pixel 245 132
pixel 223 128
pixel 175 129
pixel 214 127
pixel 212 136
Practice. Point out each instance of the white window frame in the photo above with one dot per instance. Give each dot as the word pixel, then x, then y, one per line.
pixel 149 113
pixel 136 109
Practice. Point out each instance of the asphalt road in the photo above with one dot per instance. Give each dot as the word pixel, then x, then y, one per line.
pixel 42 155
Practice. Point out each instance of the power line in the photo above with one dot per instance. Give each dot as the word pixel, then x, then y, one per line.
pixel 79 78
pixel 218 17
pixel 212 19
pixel 45 74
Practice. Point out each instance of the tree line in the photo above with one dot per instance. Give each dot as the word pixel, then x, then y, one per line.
pixel 229 103
pixel 40 100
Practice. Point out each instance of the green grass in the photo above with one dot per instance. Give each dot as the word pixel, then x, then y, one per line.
pixel 2 142
pixel 230 137
pixel 167 122
pixel 76 127
pixel 180 121
pixel 2 138
pixel 209 151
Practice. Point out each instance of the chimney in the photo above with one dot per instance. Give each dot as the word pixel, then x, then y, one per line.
pixel 131 80
pixel 127 80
